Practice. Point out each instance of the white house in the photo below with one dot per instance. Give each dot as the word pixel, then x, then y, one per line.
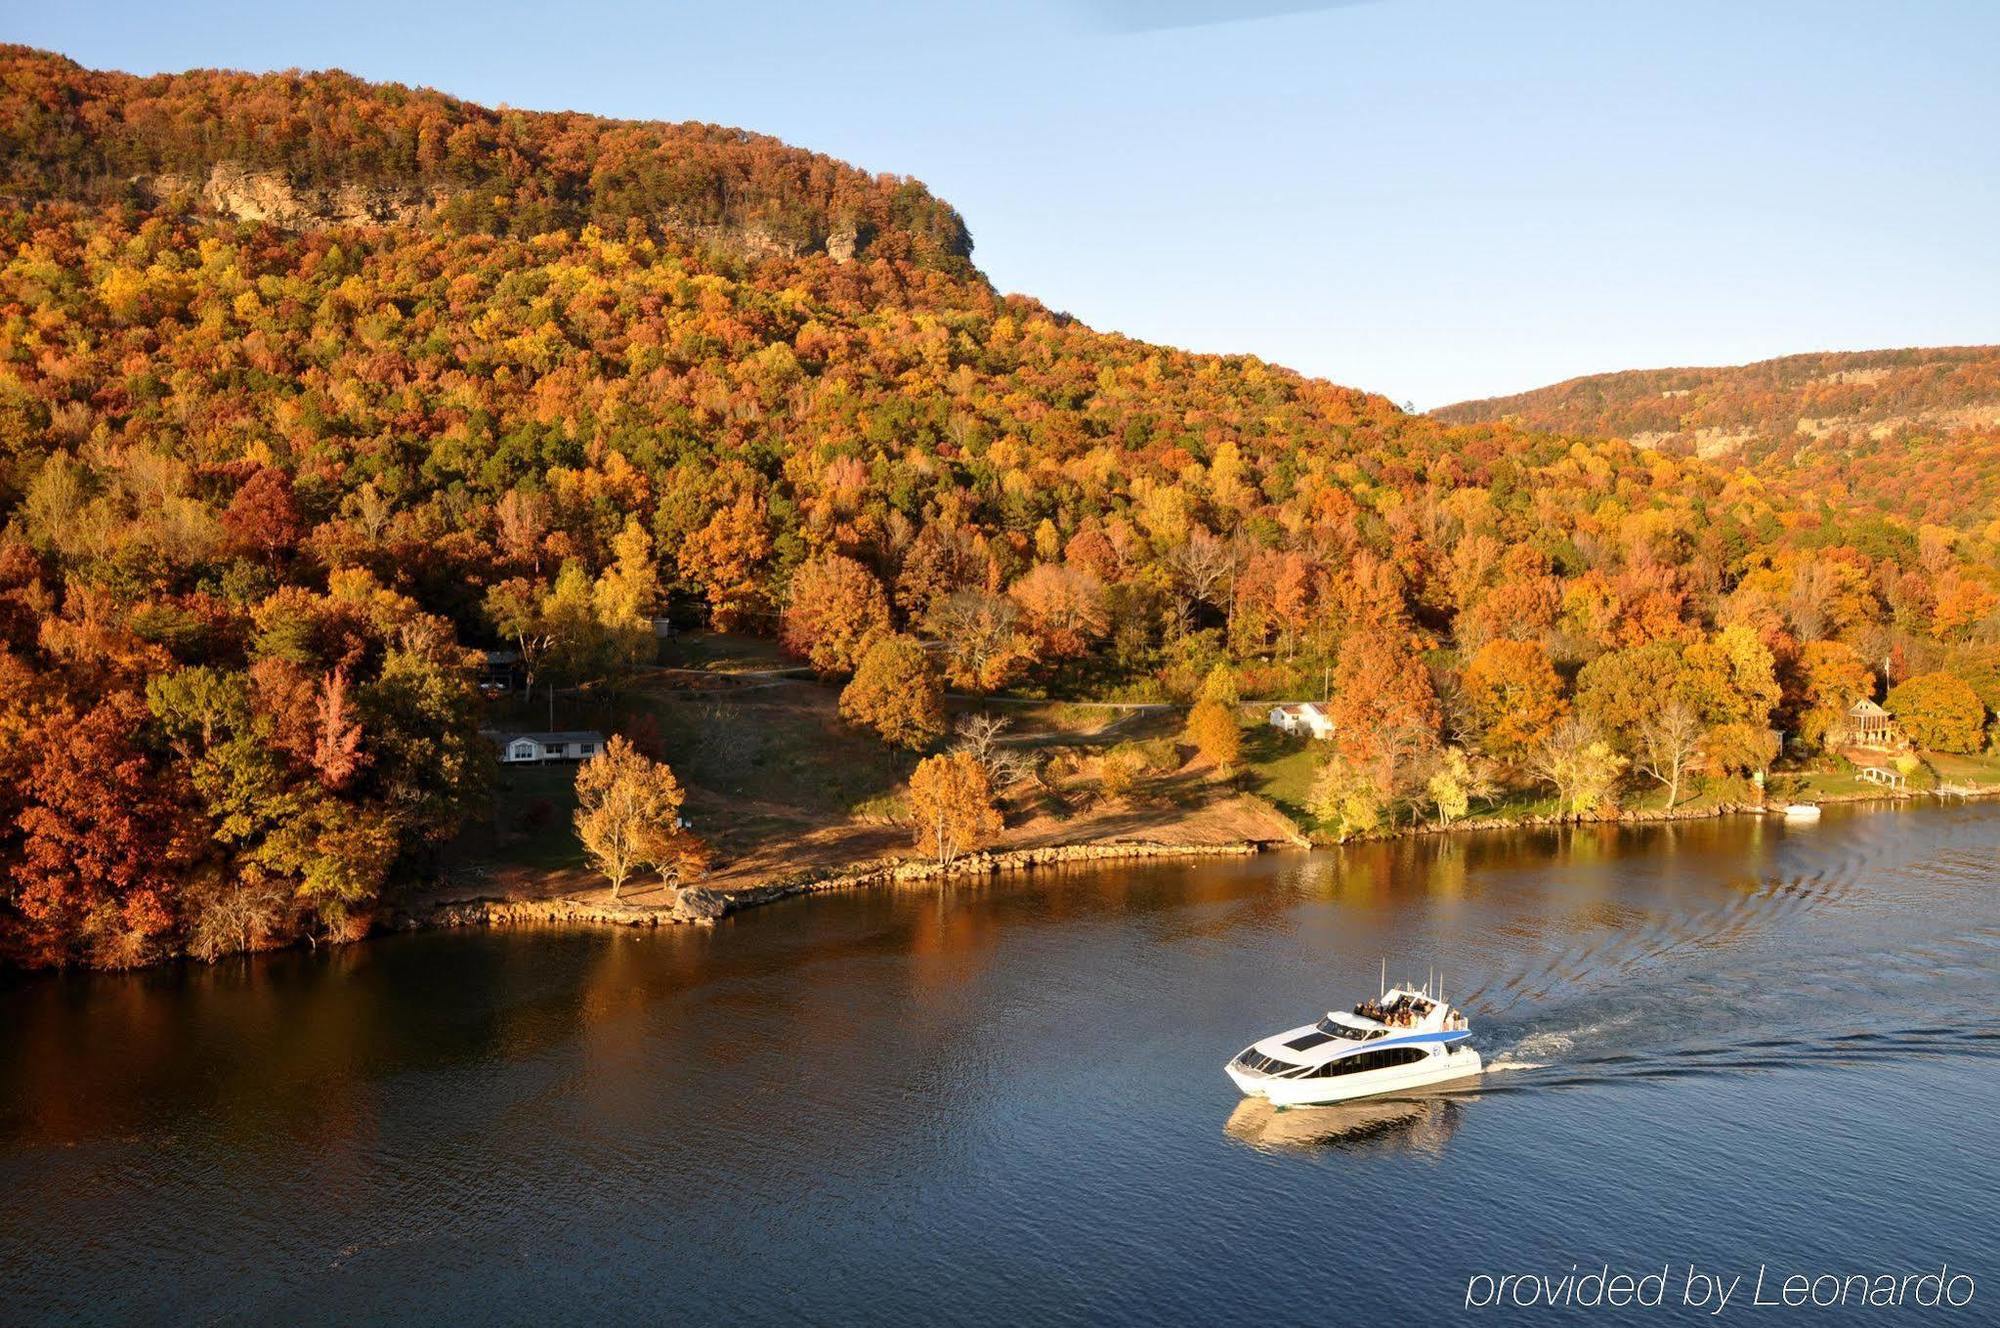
pixel 534 748
pixel 1302 717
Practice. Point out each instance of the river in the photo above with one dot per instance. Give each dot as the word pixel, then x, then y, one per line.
pixel 1733 1044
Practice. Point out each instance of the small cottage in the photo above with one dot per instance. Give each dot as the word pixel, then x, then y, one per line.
pixel 1301 717
pixel 538 748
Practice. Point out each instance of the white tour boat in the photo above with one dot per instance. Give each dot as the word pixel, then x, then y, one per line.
pixel 1406 1037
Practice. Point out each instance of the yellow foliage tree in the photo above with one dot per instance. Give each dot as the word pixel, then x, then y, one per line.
pixel 1213 732
pixel 627 811
pixel 952 804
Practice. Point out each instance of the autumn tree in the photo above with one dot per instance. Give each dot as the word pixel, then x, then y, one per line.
pixel 896 691
pixel 623 599
pixel 514 609
pixel 1668 740
pixel 1830 678
pixel 726 557
pixel 1458 780
pixel 1347 796
pixel 1215 734
pixel 1939 711
pixel 627 808
pixel 1219 686
pixel 103 840
pixel 263 518
pixel 1065 609
pixel 1575 760
pixel 1384 709
pixel 835 611
pixel 952 805
pixel 940 563
pixel 984 644
pixel 1513 696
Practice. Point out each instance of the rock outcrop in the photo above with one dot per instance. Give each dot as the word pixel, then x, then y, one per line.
pixel 269 196
pixel 257 194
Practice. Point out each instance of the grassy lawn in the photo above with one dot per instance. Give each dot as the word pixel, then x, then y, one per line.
pixel 1280 768
pixel 723 652
pixel 1696 795
pixel 1808 785
pixel 1977 768
pixel 532 806
pixel 754 747
pixel 784 745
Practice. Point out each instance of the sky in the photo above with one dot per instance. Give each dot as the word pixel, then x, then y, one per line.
pixel 1432 199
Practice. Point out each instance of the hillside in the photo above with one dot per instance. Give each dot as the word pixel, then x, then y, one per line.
pixel 315 149
pixel 1914 432
pixel 263 487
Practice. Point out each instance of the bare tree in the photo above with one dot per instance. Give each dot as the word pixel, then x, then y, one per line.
pixel 980 736
pixel 1669 740
pixel 979 733
pixel 1200 566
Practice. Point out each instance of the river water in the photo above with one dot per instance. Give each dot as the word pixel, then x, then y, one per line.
pixel 1728 1044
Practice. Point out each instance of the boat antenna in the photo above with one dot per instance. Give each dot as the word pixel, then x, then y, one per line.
pixel 1384 989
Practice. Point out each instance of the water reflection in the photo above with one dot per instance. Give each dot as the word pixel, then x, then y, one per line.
pixel 998 1102
pixel 1421 1124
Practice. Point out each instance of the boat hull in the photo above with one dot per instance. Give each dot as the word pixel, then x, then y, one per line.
pixel 1459 1063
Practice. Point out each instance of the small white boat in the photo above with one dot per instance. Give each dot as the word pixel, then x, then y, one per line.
pixel 1802 811
pixel 1404 1038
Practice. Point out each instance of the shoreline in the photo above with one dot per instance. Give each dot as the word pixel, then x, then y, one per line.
pixel 699 905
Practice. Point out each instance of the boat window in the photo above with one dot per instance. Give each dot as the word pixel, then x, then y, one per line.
pixel 1331 1029
pixel 1251 1059
pixel 1362 1061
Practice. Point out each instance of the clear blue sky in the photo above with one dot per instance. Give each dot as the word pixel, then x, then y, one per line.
pixel 1428 198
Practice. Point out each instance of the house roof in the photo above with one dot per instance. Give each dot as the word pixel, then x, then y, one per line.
pixel 1865 708
pixel 562 739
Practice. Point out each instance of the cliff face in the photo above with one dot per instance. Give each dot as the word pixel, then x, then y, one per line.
pixel 308 150
pixel 251 194
pixel 262 194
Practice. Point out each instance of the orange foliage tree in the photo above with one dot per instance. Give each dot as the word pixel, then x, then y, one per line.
pixel 951 803
pixel 835 612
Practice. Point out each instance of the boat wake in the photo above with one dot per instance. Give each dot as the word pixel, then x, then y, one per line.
pixel 1760 1055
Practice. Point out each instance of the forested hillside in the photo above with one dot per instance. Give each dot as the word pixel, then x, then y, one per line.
pixel 1912 432
pixel 264 488
pixel 329 147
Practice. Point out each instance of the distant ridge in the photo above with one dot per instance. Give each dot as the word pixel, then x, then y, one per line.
pixel 1913 432
pixel 1714 410
pixel 308 149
